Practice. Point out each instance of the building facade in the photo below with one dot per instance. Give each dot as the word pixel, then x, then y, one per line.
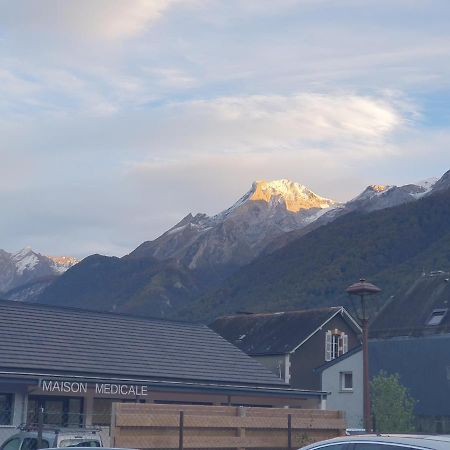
pixel 342 379
pixel 293 344
pixel 411 337
pixel 74 364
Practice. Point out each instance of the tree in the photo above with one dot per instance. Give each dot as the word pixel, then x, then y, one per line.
pixel 392 405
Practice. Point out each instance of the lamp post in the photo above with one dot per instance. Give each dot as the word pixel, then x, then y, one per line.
pixel 363 289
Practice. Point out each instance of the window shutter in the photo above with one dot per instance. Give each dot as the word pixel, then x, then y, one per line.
pixel 328 346
pixel 344 343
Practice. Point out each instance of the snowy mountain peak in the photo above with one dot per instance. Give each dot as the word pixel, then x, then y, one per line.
pixel 25 259
pixel 26 265
pixel 371 191
pixel 63 263
pixel 428 183
pixel 295 196
pixel 378 187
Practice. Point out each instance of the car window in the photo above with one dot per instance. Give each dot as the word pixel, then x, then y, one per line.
pixel 32 444
pixel 12 444
pixel 78 443
pixel 337 446
pixel 378 446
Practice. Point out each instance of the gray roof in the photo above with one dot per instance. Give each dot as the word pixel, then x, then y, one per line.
pixel 40 338
pixel 407 314
pixel 274 333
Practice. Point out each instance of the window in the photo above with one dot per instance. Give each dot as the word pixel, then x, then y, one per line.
pixel 58 411
pixel 436 317
pixel 78 443
pixel 380 446
pixel 341 446
pixel 6 409
pixel 346 381
pixel 336 344
pixel 32 444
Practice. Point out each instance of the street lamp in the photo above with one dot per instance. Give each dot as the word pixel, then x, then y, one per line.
pixel 363 289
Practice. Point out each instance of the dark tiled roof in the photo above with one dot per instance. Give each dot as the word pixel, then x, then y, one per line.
pixel 423 364
pixel 46 338
pixel 408 314
pixel 271 333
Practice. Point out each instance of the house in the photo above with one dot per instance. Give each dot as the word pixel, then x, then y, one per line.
pixel 342 379
pixel 411 337
pixel 75 363
pixel 292 343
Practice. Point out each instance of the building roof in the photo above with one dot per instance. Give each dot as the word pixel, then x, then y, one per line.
pixel 275 333
pixel 40 338
pixel 423 364
pixel 409 314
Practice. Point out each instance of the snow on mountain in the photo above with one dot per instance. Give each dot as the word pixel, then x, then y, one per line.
pixel 378 196
pixel 25 259
pixel 373 198
pixel 27 266
pixel 238 234
pixel 428 183
pixel 62 263
pixel 442 184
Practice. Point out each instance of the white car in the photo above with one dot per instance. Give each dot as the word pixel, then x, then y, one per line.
pixel 383 442
pixel 27 439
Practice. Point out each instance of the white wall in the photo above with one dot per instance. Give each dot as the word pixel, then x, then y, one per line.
pixel 351 402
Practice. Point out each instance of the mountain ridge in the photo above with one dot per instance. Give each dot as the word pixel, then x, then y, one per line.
pixel 171 274
pixel 26 266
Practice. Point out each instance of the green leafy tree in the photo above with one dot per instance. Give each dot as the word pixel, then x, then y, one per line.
pixel 392 405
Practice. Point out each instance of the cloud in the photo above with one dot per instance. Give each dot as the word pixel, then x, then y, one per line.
pixel 103 19
pixel 119 117
pixel 339 125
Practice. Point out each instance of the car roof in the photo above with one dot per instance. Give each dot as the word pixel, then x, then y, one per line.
pixel 418 440
pixel 47 434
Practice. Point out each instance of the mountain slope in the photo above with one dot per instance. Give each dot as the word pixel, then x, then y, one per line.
pixel 178 274
pixel 162 276
pixel 123 284
pixel 390 247
pixel 237 235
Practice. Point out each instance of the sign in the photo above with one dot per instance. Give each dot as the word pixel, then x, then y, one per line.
pixel 77 387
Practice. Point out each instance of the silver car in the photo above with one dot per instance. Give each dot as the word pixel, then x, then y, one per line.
pixel 28 439
pixel 384 442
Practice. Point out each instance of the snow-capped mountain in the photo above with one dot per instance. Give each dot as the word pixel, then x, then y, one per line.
pixel 442 184
pixel 238 234
pixel 166 276
pixel 27 266
pixel 378 196
pixel 374 197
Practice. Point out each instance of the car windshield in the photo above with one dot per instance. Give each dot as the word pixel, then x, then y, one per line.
pixel 12 444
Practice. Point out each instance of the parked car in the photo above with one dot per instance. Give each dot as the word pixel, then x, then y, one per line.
pixel 383 442
pixel 27 438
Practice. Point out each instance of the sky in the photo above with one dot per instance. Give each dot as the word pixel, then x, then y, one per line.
pixel 118 118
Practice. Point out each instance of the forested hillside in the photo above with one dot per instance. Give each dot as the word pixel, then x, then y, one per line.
pixel 391 248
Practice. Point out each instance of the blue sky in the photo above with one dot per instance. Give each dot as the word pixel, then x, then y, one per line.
pixel 120 117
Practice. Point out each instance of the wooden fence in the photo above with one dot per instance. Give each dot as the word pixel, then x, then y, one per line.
pixel 149 426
